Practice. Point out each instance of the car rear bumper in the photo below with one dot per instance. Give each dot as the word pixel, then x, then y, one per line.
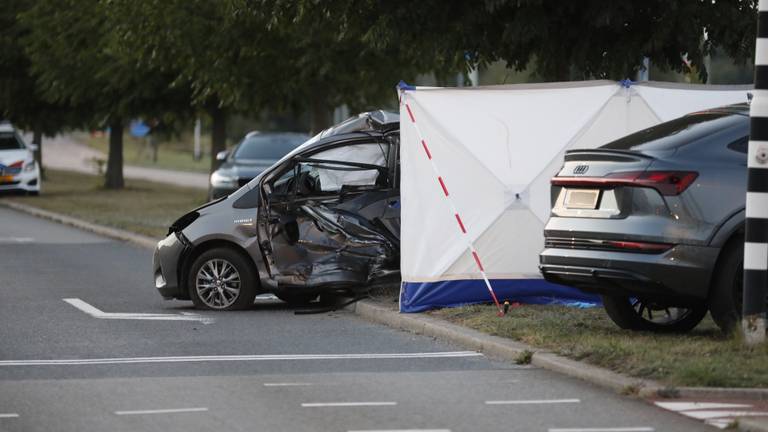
pixel 681 272
pixel 165 265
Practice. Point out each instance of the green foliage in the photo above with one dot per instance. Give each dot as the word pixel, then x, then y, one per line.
pixel 20 99
pixel 584 39
pixel 76 57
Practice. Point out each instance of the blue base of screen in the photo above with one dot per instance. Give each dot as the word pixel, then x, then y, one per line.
pixel 421 296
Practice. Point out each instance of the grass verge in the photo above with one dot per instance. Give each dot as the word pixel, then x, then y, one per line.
pixel 704 357
pixel 142 207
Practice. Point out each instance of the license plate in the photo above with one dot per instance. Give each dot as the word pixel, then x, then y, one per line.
pixel 582 198
pixel 6 179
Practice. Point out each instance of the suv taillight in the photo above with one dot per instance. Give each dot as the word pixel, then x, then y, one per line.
pixel 666 182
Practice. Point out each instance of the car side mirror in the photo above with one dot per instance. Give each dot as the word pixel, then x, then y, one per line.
pixel 33 147
pixel 222 155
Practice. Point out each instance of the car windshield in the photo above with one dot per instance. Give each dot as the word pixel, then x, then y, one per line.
pixel 676 133
pixel 268 146
pixel 9 141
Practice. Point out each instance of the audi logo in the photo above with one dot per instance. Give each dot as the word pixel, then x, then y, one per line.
pixel 580 169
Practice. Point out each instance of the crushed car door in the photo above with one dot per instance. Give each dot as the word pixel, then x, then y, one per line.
pixel 321 224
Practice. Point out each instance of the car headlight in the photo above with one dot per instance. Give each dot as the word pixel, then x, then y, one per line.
pixel 219 180
pixel 30 166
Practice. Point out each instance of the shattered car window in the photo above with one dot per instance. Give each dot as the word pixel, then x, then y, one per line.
pixel 330 171
pixel 331 177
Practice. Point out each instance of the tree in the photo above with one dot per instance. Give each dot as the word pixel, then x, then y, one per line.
pixel 222 51
pixel 75 56
pixel 20 98
pixel 332 59
pixel 584 40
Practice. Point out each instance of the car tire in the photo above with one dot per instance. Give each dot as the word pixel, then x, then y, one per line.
pixel 297 299
pixel 222 279
pixel 726 291
pixel 629 313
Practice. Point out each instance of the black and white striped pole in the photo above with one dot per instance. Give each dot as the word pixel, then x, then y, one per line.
pixel 756 235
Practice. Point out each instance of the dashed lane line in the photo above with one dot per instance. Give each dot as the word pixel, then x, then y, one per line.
pixel 162 411
pixel 607 429
pixel 345 404
pixel 532 402
pixel 8 415
pixel 402 430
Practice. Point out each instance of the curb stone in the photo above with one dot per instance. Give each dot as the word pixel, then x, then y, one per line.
pixel 115 233
pixel 753 424
pixel 509 350
pixel 492 345
pixel 505 349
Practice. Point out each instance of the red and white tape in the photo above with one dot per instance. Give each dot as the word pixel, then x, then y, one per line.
pixel 470 245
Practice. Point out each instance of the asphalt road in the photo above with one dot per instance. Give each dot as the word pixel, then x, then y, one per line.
pixel 116 357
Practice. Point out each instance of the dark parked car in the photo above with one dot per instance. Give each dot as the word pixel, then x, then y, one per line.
pixel 654 222
pixel 325 218
pixel 255 153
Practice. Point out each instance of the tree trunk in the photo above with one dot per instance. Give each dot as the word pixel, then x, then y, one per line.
pixel 37 139
pixel 114 176
pixel 320 116
pixel 218 134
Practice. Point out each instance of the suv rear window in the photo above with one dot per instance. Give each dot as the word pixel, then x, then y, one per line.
pixel 9 141
pixel 677 133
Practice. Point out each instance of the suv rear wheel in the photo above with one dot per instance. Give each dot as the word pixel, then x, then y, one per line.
pixel 726 293
pixel 644 315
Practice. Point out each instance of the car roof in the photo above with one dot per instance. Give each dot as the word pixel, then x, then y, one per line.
pixel 367 124
pixel 739 108
pixel 6 126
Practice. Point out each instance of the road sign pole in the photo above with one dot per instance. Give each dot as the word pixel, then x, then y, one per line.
pixel 756 233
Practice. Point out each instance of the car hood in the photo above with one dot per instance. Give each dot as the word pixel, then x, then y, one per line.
pixel 8 157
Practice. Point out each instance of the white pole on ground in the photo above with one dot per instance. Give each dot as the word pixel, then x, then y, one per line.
pixel 756 231
pixel 197 153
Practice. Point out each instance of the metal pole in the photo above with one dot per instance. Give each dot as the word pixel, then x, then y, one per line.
pixel 197 152
pixel 756 235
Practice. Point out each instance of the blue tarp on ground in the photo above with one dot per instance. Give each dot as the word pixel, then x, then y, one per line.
pixel 421 296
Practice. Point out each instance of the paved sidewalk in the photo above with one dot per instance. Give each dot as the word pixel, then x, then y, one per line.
pixel 65 153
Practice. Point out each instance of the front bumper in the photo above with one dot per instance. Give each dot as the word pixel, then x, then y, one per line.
pixel 28 181
pixel 165 265
pixel 681 272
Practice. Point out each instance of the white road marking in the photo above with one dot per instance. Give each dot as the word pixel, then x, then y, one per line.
pixel 162 411
pixel 9 415
pixel 98 313
pixel 402 430
pixel 345 404
pixel 685 406
pixel 609 429
pixel 220 358
pixel 16 240
pixel 707 414
pixel 720 423
pixel 287 384
pixel 531 402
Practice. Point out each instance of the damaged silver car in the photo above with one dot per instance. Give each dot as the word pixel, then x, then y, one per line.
pixel 324 219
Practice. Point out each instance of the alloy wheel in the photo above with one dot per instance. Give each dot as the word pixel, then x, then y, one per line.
pixel 657 314
pixel 218 283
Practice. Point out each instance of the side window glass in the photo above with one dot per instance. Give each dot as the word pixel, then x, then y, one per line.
pixel 740 145
pixel 331 178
